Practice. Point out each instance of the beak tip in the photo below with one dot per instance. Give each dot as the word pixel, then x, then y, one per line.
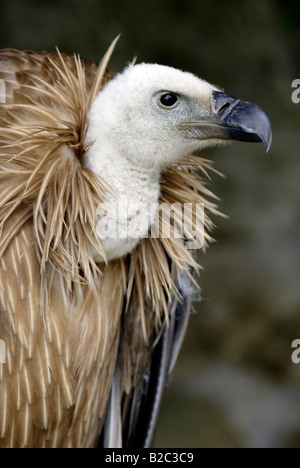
pixel 267 139
pixel 268 148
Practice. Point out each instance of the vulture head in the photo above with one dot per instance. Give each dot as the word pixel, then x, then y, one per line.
pixel 153 116
pixel 150 117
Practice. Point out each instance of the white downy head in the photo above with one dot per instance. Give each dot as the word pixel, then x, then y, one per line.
pixel 139 116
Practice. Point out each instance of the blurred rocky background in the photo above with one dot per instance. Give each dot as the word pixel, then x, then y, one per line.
pixel 235 384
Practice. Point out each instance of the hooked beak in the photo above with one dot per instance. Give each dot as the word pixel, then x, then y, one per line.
pixel 233 119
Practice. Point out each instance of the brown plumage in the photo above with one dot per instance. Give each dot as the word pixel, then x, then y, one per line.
pixel 66 321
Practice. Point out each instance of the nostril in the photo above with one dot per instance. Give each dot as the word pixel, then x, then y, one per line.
pixel 223 108
pixel 223 103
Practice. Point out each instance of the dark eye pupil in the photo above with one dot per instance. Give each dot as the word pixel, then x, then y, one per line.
pixel 168 99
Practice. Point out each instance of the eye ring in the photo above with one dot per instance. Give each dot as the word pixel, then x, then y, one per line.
pixel 168 100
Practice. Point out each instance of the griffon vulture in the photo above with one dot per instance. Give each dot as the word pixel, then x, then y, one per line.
pixel 92 324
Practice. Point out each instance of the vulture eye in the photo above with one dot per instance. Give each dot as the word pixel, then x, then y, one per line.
pixel 168 100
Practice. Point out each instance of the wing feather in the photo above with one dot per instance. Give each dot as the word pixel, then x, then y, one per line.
pixel 141 405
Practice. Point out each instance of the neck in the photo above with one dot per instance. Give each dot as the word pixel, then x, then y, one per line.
pixel 137 194
pixel 123 176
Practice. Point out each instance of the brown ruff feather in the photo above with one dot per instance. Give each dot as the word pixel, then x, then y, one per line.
pixel 60 312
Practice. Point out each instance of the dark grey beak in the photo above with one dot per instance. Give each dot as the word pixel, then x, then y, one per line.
pixel 240 120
